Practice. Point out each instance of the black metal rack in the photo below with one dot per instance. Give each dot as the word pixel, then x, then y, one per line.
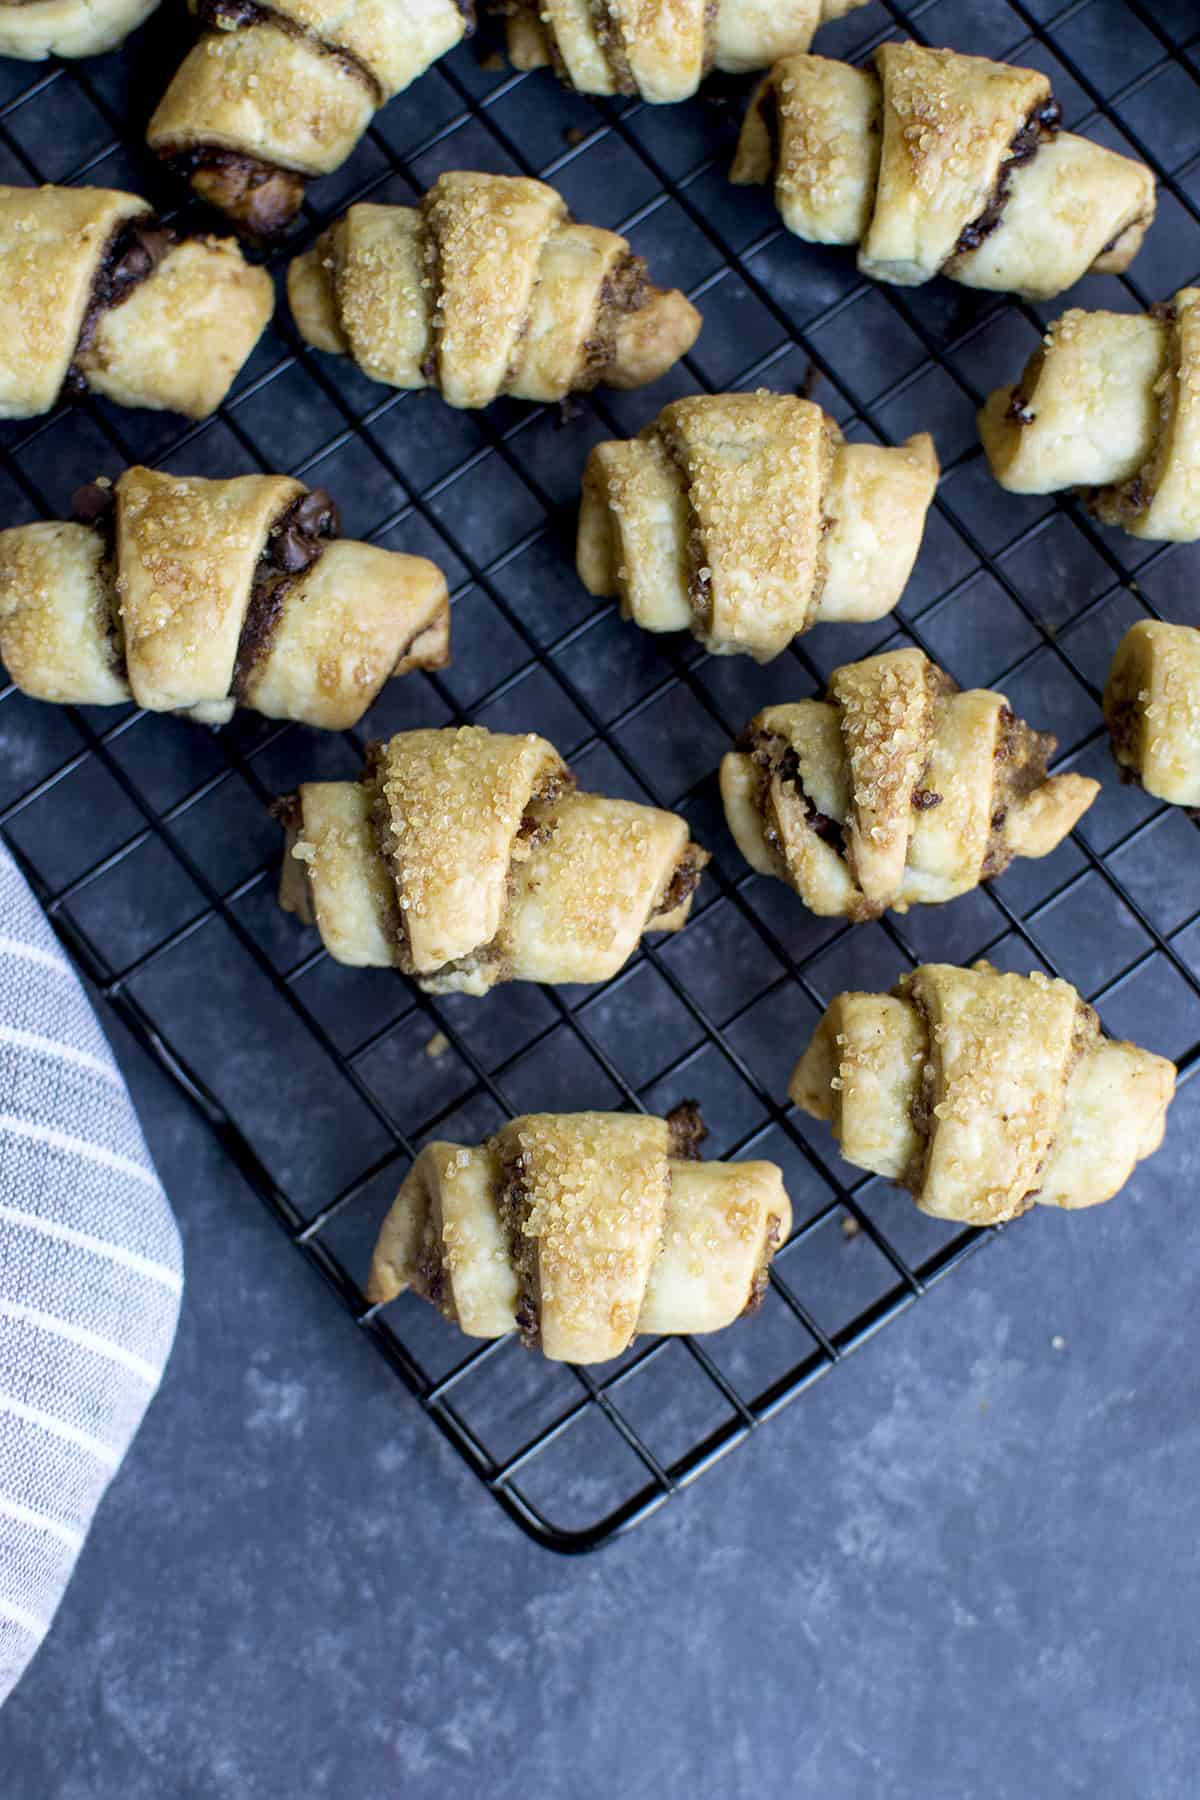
pixel 149 841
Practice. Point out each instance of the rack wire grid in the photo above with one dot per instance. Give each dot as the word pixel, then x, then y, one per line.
pixel 150 844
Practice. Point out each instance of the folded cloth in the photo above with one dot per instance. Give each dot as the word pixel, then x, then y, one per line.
pixel 90 1272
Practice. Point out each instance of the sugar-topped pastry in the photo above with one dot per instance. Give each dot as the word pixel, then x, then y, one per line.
pixel 935 163
pixel 33 30
pixel 488 287
pixel 195 596
pixel 895 790
pixel 660 50
pixel 467 857
pixel 984 1093
pixel 1109 404
pixel 747 518
pixel 271 96
pixel 97 295
pixel 1152 708
pixel 582 1230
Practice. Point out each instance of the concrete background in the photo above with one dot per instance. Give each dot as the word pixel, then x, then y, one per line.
pixel 965 1565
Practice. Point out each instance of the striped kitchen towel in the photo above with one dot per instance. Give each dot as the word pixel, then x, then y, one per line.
pixel 90 1272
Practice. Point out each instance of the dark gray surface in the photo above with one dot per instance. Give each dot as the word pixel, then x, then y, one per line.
pixel 966 1565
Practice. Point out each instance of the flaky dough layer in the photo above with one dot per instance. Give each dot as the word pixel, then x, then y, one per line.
pixel 467 857
pixel 983 1092
pixel 489 287
pixel 1109 404
pixel 896 790
pixel 172 599
pixel 173 339
pixel 746 519
pixel 581 1230
pixel 938 163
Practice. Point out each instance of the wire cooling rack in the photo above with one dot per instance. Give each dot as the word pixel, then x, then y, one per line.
pixel 150 843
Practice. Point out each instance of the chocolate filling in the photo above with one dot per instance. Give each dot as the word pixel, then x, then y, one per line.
pixel 262 198
pixel 233 15
pixel 132 254
pixel 681 886
pixel 687 1131
pixel 828 830
pixel 924 798
pixel 294 543
pixel 95 505
pixel 287 810
pixel 1041 125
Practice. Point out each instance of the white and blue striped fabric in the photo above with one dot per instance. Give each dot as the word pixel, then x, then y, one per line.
pixel 90 1272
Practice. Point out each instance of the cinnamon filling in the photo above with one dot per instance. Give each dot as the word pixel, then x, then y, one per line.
pixel 762 1275
pixel 624 290
pixel 132 254
pixel 513 1201
pixel 294 543
pixel 1039 128
pixel 607 26
pixel 1021 758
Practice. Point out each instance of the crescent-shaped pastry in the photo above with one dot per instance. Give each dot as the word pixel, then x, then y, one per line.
pixel 489 287
pixel 466 857
pixel 936 163
pixel 194 596
pixel 1152 707
pixel 659 50
pixel 896 790
pixel 581 1230
pixel 97 295
pixel 32 30
pixel 1109 404
pixel 982 1093
pixel 269 97
pixel 746 519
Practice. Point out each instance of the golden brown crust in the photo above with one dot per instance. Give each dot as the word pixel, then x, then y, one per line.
pixel 1109 403
pixel 1152 708
pixel 896 790
pixel 660 50
pixel 983 1093
pixel 580 1229
pixel 488 288
pixel 174 340
pixel 746 518
pixel 937 162
pixel 211 595
pixel 32 30
pixel 283 92
pixel 486 866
